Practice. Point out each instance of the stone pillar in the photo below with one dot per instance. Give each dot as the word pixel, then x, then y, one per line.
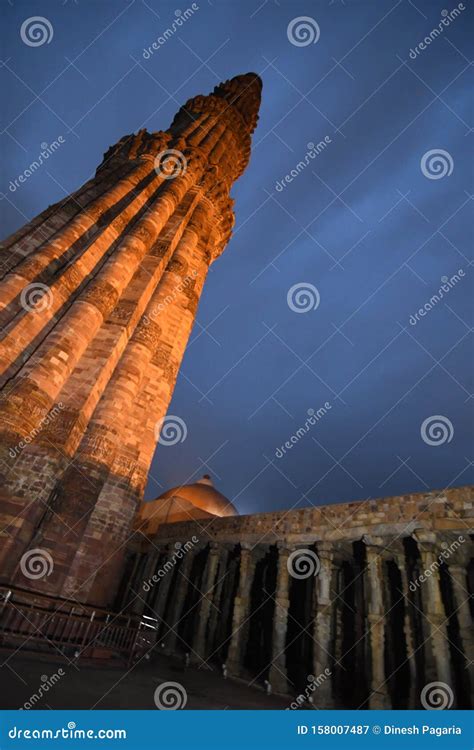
pixel 407 629
pixel 241 610
pixel 179 595
pixel 200 642
pixel 458 575
pixel 434 613
pixel 216 613
pixel 164 585
pixel 378 698
pixel 325 584
pixel 278 676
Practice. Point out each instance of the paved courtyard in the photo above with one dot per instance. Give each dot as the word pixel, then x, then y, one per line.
pixel 104 687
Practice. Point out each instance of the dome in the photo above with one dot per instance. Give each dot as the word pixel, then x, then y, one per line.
pixel 184 503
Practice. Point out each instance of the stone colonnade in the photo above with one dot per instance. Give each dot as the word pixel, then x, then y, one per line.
pixel 362 621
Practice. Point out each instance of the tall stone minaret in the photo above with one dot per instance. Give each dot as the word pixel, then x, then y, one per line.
pixel 97 301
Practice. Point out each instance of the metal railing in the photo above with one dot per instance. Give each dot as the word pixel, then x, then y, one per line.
pixel 36 623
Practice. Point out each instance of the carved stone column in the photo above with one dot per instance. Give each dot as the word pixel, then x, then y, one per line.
pixel 407 629
pixel 379 697
pixel 241 609
pixel 463 614
pixel 277 676
pixel 200 645
pixel 433 609
pixel 323 623
pixel 179 596
pixel 215 613
pixel 164 584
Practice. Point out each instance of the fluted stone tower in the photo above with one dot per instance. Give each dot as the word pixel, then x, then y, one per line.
pixel 97 301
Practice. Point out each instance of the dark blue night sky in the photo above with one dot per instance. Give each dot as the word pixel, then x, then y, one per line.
pixel 363 223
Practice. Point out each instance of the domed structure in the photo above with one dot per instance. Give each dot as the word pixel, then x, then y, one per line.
pixel 184 503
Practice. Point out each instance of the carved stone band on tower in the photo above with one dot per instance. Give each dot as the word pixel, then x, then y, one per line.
pixel 97 300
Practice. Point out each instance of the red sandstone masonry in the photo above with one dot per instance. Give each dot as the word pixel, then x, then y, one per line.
pixel 441 510
pixel 113 372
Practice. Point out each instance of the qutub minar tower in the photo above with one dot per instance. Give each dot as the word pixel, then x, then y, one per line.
pixel 360 605
pixel 97 302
